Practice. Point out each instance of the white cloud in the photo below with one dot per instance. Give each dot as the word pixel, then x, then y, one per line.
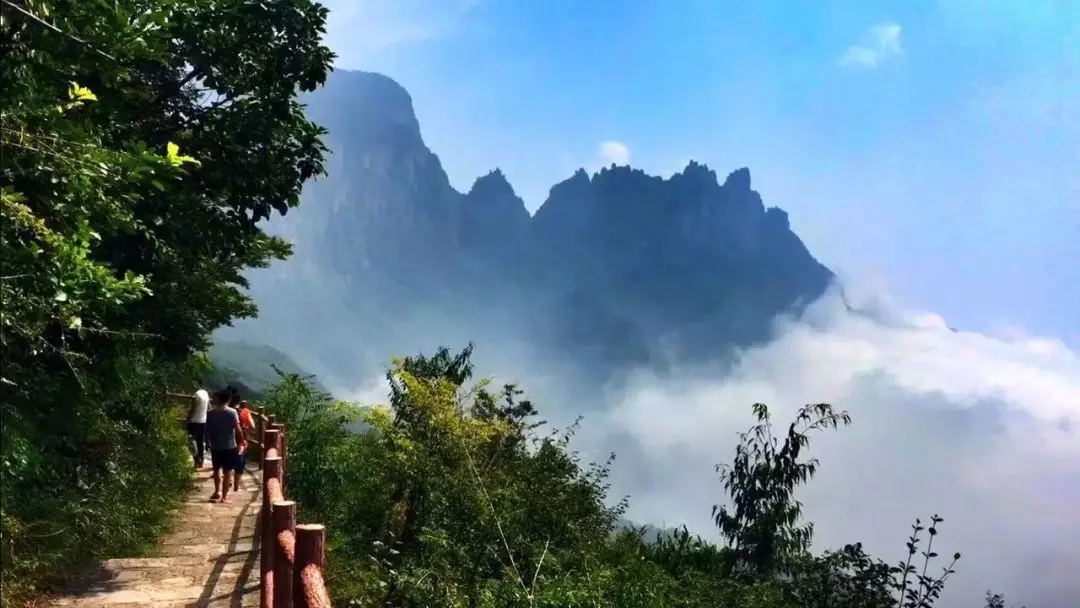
pixel 615 152
pixel 878 44
pixel 983 430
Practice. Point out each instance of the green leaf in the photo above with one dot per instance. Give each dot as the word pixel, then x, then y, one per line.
pixel 77 92
pixel 175 158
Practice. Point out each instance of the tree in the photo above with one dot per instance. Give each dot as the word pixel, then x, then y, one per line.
pixel 216 78
pixel 763 527
pixel 142 143
pixel 437 502
pixel 452 498
pixel 767 541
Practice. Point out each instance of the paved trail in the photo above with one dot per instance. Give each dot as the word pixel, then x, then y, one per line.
pixel 207 560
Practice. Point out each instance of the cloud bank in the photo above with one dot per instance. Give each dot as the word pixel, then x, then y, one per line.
pixel 983 430
pixel 879 43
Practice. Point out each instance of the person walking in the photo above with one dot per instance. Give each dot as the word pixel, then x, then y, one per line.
pixel 246 419
pixel 196 424
pixel 247 425
pixel 222 430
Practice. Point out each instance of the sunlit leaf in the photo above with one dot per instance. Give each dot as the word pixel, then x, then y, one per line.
pixel 76 92
pixel 175 158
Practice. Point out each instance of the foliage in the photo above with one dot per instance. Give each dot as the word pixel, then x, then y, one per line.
pixel 436 503
pixel 454 497
pixel 141 143
pixel 764 530
pixel 995 600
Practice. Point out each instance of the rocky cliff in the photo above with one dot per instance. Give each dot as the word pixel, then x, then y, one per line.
pixel 615 268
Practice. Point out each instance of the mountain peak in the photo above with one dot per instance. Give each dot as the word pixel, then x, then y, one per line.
pixel 615 259
pixel 738 180
pixel 492 201
pixel 492 184
pixel 368 100
pixel 696 174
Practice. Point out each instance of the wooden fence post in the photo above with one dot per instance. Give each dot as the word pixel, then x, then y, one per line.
pixel 282 444
pixel 284 516
pixel 270 442
pixel 260 426
pixel 292 556
pixel 271 468
pixel 308 564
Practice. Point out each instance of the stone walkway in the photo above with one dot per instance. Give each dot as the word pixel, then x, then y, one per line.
pixel 208 560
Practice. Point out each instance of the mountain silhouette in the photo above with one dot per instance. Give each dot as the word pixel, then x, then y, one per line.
pixel 617 268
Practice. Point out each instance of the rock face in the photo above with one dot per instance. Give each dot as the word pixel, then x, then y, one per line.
pixel 615 268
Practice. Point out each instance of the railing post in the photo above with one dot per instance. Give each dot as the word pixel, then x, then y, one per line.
pixel 284 516
pixel 282 442
pixel 271 469
pixel 260 426
pixel 260 434
pixel 271 440
pixel 308 567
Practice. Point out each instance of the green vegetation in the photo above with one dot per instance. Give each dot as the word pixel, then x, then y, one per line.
pixel 454 497
pixel 141 144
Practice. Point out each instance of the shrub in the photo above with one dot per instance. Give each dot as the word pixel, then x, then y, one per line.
pixel 452 496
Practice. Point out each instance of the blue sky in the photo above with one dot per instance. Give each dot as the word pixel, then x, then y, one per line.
pixel 933 145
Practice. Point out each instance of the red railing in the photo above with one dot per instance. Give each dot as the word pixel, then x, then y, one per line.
pixel 291 555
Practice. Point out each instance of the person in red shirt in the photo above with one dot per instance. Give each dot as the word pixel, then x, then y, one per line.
pixel 246 420
pixel 247 425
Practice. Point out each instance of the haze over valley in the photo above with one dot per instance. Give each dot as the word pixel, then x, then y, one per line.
pixel 660 308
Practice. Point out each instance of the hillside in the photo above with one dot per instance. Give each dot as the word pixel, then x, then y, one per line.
pixel 250 367
pixel 615 269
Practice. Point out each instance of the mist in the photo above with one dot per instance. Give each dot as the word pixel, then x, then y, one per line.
pixel 981 429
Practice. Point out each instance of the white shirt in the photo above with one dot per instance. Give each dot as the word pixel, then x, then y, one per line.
pixel 202 403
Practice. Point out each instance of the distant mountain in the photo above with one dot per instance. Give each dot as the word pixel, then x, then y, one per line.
pixel 249 367
pixel 615 269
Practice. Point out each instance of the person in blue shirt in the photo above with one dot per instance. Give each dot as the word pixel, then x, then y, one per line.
pixel 222 429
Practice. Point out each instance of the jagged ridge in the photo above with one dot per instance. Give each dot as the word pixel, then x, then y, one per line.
pixel 611 265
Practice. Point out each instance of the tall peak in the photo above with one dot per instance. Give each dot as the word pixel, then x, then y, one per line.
pixel 696 173
pixel 494 182
pixel 365 98
pixel 738 180
pixel 493 197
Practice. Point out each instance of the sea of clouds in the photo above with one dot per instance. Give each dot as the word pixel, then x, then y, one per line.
pixel 981 429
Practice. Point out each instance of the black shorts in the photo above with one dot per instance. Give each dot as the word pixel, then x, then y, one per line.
pixel 224 459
